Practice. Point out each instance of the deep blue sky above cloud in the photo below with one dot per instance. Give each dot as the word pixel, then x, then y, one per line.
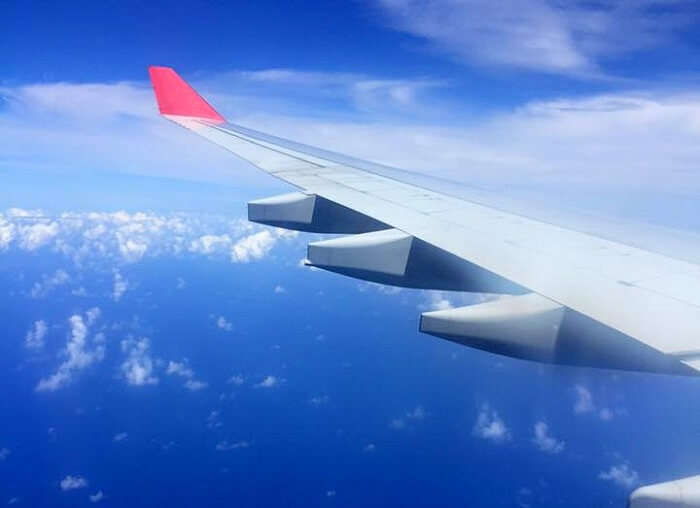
pixel 204 378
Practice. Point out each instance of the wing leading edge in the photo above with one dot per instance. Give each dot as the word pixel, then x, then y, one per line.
pixel 568 297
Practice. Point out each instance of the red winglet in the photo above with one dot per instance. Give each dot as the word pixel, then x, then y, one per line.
pixel 176 97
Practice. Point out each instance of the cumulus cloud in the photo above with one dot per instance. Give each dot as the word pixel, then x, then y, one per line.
pixel 418 413
pixel 256 246
pixel 236 380
pixel 435 300
pixel 121 436
pixel 182 369
pixel 584 404
pixel 195 385
pixel 34 339
pixel 73 482
pixel 224 446
pixel 319 400
pixel 49 283
pixel 397 424
pixel 123 237
pixel 490 426
pixel 621 474
pixel 31 237
pixel 605 414
pixel 544 441
pixel 210 244
pixel 269 382
pixel 138 366
pixel 224 324
pixel 213 420
pixel 97 497
pixel 77 354
pixel 120 286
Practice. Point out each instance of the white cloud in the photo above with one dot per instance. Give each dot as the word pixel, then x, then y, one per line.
pixel 490 426
pixel 584 400
pixel 369 448
pixel 77 354
pixel 121 436
pixel 544 441
pixel 35 336
pixel 397 424
pixel 120 286
pixel 210 244
pixel 73 482
pixel 213 420
pixel 605 414
pixel 4 453
pixel 181 283
pixel 49 283
pixel 224 446
pixel 137 369
pixel 435 300
pixel 180 369
pixel 280 289
pixel 269 382
pixel 252 247
pixel 195 385
pixel 97 497
pixel 418 413
pixel 319 400
pixel 224 324
pixel 236 380
pixel 33 236
pixel 330 493
pixel 621 474
pixel 7 233
pixel 551 36
pixel 584 404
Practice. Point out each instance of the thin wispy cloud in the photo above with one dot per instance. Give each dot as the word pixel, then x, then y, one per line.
pixel 48 282
pixel 34 339
pixel 225 446
pixel 562 37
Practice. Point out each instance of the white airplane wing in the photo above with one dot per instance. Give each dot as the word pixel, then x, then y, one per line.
pixel 568 297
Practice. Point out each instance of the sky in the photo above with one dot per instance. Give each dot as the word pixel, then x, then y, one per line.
pixel 160 349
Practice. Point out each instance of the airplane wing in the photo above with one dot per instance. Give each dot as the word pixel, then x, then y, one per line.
pixel 567 297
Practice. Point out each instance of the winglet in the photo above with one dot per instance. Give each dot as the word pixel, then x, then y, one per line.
pixel 176 97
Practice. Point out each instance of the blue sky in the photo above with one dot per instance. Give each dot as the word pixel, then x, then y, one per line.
pixel 160 349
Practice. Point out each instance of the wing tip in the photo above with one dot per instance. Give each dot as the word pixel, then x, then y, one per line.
pixel 176 97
